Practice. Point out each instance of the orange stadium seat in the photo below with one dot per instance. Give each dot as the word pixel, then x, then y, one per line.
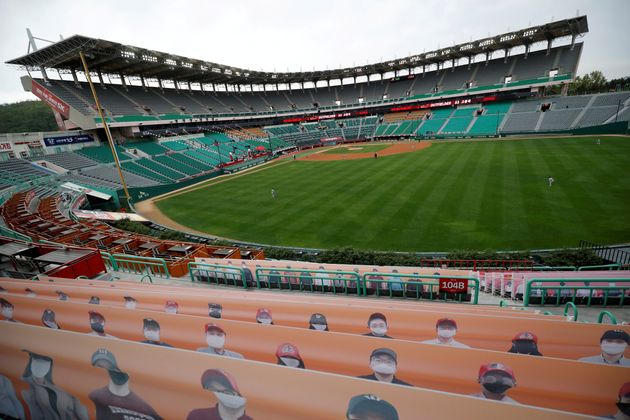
pixel 542 381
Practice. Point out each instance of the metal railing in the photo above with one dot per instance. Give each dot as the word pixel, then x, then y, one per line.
pixel 5 231
pixel 219 274
pixel 574 317
pixel 584 284
pixel 545 268
pixel 417 287
pixel 602 314
pixel 607 252
pixel 109 262
pixel 324 281
pixel 137 265
pixel 475 265
pixel 610 267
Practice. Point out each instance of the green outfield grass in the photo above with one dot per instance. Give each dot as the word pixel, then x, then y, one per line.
pixel 358 148
pixel 452 195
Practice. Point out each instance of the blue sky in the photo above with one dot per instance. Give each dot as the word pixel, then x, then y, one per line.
pixel 297 35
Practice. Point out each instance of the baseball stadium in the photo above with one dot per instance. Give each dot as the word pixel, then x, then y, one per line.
pixel 442 235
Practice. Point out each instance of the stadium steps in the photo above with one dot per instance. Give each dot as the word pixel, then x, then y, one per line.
pixel 137 169
pixel 197 155
pixel 192 98
pixel 123 93
pixel 191 161
pixel 439 83
pixel 239 99
pixel 103 154
pixel 622 110
pixel 79 97
pixel 165 99
pixel 456 125
pixel 540 121
pixel 160 169
pixel 505 117
pixel 473 75
pixel 182 163
pixel 514 62
pixel 175 145
pixel 584 110
pixel 470 125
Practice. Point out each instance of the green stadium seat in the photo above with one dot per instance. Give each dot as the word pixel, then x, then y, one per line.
pixel 150 148
pixel 103 154
pixel 173 161
pixel 142 171
pixel 160 169
pixel 175 145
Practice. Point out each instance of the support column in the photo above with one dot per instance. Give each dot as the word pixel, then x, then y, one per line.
pixel 33 46
pixel 122 80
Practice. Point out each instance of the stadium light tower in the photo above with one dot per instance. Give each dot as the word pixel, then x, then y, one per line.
pixel 105 126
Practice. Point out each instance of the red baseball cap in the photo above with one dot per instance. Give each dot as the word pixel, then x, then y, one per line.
pixel 213 326
pixel 261 311
pixel 446 321
pixel 494 367
pixel 288 349
pixel 171 304
pixel 526 335
pixel 221 376
pixel 624 390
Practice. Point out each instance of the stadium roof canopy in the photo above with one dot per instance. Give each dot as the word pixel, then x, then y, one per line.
pixel 114 58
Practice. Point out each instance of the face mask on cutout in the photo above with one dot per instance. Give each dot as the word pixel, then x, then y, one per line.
pixel 525 347
pixel 446 332
pixel 97 327
pixel 289 361
pixel 497 384
pixel 7 313
pixel 152 335
pixel 40 367
pixel 118 378
pixel 170 310
pixel 624 407
pixel 613 348
pixel 51 324
pixel 230 401
pixel 383 368
pixel 319 327
pixel 266 321
pixel 380 331
pixel 130 304
pixel 215 341
pixel 496 388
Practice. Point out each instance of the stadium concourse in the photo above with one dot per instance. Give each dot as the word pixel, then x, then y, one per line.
pixel 106 323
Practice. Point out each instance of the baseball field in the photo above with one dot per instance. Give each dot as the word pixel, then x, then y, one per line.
pixel 490 194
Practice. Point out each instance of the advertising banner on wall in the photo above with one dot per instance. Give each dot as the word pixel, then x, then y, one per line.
pixel 60 141
pixel 52 100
